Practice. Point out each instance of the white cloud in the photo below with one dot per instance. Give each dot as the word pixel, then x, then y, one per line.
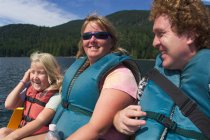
pixel 37 12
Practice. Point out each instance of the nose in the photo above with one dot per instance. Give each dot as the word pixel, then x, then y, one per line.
pixel 93 38
pixel 156 42
pixel 35 75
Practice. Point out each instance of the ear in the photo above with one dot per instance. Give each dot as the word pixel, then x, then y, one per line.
pixel 190 38
pixel 49 81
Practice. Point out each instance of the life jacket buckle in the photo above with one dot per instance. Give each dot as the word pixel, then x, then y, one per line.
pixel 27 118
pixel 167 122
pixel 30 99
pixel 65 104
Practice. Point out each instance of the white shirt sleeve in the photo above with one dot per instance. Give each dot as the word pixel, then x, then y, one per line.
pixel 54 101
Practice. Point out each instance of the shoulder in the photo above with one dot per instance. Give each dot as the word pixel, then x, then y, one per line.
pixel 54 101
pixel 200 60
pixel 121 78
pixel 121 73
pixel 56 97
pixel 120 70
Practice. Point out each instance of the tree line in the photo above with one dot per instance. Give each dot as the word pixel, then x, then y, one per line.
pixel 133 27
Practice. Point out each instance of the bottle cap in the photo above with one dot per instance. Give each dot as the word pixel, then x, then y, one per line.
pixel 52 127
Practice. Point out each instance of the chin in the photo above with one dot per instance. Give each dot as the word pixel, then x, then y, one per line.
pixel 170 67
pixel 166 65
pixel 37 88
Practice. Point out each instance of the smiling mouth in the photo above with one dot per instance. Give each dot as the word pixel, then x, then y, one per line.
pixel 36 83
pixel 93 47
pixel 163 52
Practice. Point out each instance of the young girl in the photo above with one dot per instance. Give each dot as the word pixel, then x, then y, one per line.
pixel 38 93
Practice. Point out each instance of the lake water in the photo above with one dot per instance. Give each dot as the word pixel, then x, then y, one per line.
pixel 13 68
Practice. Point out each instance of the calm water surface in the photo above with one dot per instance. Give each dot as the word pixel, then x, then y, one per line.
pixel 12 70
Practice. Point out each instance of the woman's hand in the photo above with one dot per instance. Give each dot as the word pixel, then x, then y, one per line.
pixel 126 121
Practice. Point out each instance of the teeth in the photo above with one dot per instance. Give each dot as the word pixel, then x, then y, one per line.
pixel 93 47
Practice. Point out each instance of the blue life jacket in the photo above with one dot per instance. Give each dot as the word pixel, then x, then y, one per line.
pixel 79 99
pixel 194 80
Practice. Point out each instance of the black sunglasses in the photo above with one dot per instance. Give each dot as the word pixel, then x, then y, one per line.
pixel 98 35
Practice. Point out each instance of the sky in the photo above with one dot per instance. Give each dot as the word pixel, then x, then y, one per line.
pixel 50 13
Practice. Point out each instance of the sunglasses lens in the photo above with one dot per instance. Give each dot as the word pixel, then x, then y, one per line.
pixel 98 35
pixel 87 36
pixel 102 35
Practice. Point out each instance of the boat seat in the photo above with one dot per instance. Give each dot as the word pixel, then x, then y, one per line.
pixel 15 118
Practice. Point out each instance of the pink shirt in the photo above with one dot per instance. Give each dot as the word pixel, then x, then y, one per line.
pixel 121 79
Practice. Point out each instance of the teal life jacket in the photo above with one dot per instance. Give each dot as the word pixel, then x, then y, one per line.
pixel 194 80
pixel 80 92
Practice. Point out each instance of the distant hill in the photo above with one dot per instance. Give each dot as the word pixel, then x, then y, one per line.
pixel 134 31
pixel 133 28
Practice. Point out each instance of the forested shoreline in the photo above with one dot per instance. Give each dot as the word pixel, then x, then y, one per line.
pixel 133 27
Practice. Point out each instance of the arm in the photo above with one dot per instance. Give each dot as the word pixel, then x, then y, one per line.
pixel 13 99
pixel 125 122
pixel 42 119
pixel 119 90
pixel 36 137
pixel 109 102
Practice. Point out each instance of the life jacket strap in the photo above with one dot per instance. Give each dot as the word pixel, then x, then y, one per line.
pixel 187 106
pixel 172 126
pixel 76 109
pixel 27 118
pixel 34 100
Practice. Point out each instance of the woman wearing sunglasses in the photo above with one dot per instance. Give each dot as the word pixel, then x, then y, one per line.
pixel 96 86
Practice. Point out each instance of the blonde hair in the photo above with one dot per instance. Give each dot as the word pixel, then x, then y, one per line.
pixel 186 16
pixel 105 25
pixel 52 68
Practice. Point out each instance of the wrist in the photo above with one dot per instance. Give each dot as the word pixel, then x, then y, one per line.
pixel 23 82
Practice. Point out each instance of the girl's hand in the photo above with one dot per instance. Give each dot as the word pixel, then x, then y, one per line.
pixel 26 77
